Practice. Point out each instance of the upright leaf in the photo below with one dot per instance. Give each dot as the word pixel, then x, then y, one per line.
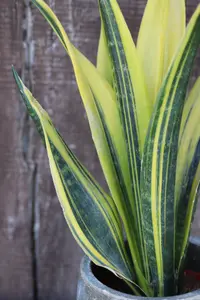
pixel 135 108
pixel 162 28
pixel 126 66
pixel 159 164
pixel 107 131
pixel 188 138
pixel 90 213
pixel 188 171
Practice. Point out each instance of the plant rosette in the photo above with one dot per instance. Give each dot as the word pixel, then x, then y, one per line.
pixel 146 130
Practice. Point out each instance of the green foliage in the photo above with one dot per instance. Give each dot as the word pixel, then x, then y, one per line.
pixel 146 132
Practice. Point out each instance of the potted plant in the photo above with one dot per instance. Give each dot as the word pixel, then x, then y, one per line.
pixel 146 132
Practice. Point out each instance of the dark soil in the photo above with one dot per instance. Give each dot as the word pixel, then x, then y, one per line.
pixel 191 281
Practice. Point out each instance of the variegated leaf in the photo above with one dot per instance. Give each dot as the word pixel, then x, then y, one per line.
pixel 107 130
pixel 159 164
pixel 90 213
pixel 135 108
pixel 188 172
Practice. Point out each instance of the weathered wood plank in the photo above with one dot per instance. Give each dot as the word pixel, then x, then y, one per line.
pixel 15 176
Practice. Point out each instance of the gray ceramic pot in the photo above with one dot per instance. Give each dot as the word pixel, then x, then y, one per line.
pixel 90 286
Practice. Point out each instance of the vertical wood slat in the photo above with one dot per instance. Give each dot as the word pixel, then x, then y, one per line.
pixel 15 241
pixel 23 159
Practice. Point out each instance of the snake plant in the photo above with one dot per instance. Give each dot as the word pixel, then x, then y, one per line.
pixel 145 127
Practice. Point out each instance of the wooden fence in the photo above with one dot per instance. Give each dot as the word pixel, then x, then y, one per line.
pixel 38 257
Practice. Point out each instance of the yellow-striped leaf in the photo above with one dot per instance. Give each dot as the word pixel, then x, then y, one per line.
pixel 90 213
pixel 101 107
pixel 188 171
pixel 135 109
pixel 159 164
pixel 126 66
pixel 189 136
pixel 162 28
pixel 107 130
pixel 186 210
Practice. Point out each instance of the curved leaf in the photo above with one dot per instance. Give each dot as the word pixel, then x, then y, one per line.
pixel 90 213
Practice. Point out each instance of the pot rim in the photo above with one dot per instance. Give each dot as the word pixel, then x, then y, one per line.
pixel 91 281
